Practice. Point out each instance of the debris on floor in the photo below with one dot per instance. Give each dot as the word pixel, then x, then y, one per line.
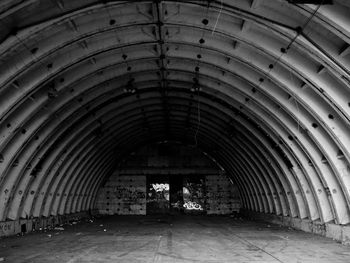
pixel 59 228
pixel 195 238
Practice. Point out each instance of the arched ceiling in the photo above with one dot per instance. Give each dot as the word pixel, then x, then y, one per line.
pixel 262 86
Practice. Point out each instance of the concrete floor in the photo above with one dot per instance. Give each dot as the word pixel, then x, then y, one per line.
pixel 172 239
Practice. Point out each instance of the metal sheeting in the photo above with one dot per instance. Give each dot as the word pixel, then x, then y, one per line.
pixel 262 86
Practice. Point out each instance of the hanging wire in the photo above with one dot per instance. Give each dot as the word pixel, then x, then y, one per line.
pixel 217 19
pixel 299 31
pixel 116 35
pixel 35 57
pixel 305 25
pixel 296 102
pixel 298 121
pixel 288 47
pixel 198 118
pixel 198 87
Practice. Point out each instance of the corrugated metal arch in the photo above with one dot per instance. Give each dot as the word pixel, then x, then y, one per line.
pixel 277 73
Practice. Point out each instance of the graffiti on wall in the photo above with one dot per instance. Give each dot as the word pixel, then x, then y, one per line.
pixel 189 205
pixel 160 187
pixel 193 194
pixel 128 193
pixel 158 192
pixel 5 226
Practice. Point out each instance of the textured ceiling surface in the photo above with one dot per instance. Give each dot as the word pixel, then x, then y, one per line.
pixel 262 86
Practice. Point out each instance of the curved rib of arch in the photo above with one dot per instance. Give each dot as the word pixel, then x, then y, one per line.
pixel 83 85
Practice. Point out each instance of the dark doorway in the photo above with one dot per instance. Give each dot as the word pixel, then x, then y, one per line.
pixel 194 194
pixel 176 195
pixel 158 194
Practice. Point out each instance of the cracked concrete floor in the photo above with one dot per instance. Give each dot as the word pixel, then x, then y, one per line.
pixel 172 239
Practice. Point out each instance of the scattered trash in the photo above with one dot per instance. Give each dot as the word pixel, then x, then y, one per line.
pixel 74 223
pixel 91 221
pixel 78 234
pixel 101 225
pixel 105 230
pixel 49 235
pixel 59 228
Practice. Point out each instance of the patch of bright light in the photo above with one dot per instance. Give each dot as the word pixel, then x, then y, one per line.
pixel 185 190
pixel 160 187
pixel 189 205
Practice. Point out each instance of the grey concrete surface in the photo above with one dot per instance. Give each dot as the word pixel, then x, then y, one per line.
pixel 172 239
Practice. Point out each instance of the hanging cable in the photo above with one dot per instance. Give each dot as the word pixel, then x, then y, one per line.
pixel 217 19
pixel 196 85
pixel 117 37
pixel 301 29
pixel 296 102
pixel 284 51
pixel 198 118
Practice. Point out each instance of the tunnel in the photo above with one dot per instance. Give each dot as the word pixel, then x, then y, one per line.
pixel 246 97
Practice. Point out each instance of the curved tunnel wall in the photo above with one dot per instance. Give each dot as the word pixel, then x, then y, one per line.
pixel 262 87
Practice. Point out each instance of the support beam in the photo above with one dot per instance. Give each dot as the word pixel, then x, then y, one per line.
pixel 255 3
pixel 322 69
pixel 311 2
pixel 60 4
pixel 72 25
pixel 245 25
pixel 344 51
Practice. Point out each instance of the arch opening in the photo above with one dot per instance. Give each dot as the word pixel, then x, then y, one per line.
pixel 261 87
pixel 168 178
